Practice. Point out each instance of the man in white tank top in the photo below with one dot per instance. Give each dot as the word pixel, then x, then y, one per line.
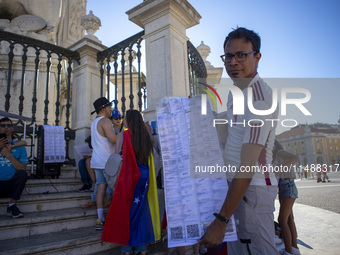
pixel 103 141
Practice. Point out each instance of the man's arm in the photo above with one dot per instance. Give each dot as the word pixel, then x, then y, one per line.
pixel 19 143
pixel 237 189
pixel 6 152
pixel 108 131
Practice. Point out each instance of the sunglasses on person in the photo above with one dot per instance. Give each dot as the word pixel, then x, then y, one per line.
pixel 6 125
pixel 117 118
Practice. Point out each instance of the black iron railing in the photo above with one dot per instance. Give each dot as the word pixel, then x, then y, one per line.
pixel 28 62
pixel 38 73
pixel 197 69
pixel 109 59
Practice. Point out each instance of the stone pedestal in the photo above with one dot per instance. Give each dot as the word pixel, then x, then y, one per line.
pixel 165 23
pixel 86 86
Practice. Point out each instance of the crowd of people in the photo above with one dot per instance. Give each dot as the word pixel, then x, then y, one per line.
pixel 133 219
pixel 133 142
pixel 250 196
pixel 318 171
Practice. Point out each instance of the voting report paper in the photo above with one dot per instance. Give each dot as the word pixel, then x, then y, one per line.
pixel 54 144
pixel 189 144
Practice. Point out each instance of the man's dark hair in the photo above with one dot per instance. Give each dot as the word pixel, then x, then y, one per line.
pixel 5 119
pixel 247 35
pixel 88 141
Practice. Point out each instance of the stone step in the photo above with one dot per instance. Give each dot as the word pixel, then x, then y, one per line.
pixel 71 242
pixel 47 202
pixel 54 223
pixel 40 186
pixel 160 248
pixel 69 172
pixel 85 240
pixel 38 223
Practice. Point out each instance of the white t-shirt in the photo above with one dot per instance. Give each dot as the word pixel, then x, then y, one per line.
pixel 102 148
pixel 252 128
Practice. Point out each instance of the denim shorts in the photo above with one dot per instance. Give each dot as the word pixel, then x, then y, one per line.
pixel 100 176
pixel 287 188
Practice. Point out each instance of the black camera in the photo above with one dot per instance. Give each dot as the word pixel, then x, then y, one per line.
pixel 3 135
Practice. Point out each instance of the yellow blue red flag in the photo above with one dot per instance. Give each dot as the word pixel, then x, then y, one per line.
pixel 133 217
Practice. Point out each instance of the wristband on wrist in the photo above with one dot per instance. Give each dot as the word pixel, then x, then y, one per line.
pixel 221 218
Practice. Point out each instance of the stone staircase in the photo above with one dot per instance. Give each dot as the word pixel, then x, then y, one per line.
pixel 54 221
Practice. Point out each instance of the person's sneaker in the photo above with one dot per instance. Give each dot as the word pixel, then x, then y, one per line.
pixel 89 204
pixel 85 188
pixel 14 211
pixel 99 224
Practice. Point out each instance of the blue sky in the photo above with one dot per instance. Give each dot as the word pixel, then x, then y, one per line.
pixel 300 39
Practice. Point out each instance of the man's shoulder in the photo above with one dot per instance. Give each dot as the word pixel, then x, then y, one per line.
pixel 20 152
pixel 262 94
pixel 19 148
pixel 104 121
pixel 100 120
pixel 261 90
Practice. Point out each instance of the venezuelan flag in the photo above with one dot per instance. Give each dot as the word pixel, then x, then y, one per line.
pixel 133 217
pixel 223 249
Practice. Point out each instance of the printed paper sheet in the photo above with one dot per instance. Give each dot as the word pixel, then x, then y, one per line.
pixel 54 144
pixel 188 139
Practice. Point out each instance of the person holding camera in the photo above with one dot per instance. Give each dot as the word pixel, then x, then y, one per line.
pixel 13 160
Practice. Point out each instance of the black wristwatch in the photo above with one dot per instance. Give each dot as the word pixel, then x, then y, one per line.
pixel 221 218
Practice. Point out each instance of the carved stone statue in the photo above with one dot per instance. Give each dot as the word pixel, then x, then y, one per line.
pixel 91 23
pixel 204 51
pixel 56 21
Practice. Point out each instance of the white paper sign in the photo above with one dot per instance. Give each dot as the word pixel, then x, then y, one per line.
pixel 54 144
pixel 83 150
pixel 188 140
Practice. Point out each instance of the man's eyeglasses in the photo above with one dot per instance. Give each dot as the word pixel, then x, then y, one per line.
pixel 239 56
pixel 6 125
pixel 117 118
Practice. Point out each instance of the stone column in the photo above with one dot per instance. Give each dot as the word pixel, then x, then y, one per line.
pixel 86 79
pixel 165 23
